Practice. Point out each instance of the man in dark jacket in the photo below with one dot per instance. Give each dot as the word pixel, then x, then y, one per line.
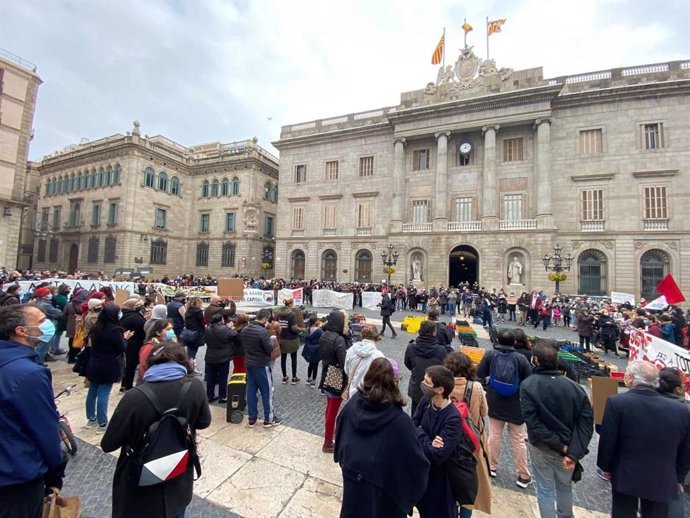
pixel 11 296
pixel 30 454
pixel 175 315
pixel 387 309
pixel 132 320
pixel 505 410
pixel 444 336
pixel 560 424
pixel 644 445
pixel 258 346
pixel 227 308
pixel 420 354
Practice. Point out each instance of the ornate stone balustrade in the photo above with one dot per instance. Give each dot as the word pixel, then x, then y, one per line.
pixel 655 224
pixel 417 227
pixel 517 224
pixel 464 226
pixel 592 226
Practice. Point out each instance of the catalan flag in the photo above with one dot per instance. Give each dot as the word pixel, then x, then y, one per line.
pixel 466 27
pixel 438 53
pixel 494 26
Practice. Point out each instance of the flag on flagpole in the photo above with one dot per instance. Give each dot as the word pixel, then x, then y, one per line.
pixel 466 27
pixel 494 26
pixel 669 289
pixel 438 53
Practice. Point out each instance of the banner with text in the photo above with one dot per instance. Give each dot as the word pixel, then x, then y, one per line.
pixel 371 299
pixel 618 297
pixel 332 299
pixel 657 351
pixel 29 286
pixel 287 293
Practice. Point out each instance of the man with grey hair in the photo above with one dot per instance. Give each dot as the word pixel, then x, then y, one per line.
pixel 644 447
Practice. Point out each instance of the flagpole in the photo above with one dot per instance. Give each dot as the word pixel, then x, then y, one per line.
pixel 444 49
pixel 487 38
pixel 463 29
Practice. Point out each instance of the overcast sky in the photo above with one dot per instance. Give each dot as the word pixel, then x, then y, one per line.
pixel 219 70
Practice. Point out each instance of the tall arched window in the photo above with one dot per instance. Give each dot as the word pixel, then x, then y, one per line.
pixel 49 186
pixel 175 186
pixel 214 188
pixel 117 171
pixel 101 177
pixel 235 186
pixel 268 191
pixel 80 181
pixel 654 266
pixel 93 177
pixel 591 265
pixel 227 258
pixel 204 189
pixel 70 186
pixel 109 253
pixel 159 251
pixel 92 252
pixel 75 214
pixel 202 254
pixel 109 176
pixel 363 263
pixel 225 188
pixel 162 182
pixel 297 264
pixel 329 265
pixel 149 177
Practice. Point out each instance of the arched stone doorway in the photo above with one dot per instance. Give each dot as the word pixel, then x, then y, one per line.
pixel 73 262
pixel 463 265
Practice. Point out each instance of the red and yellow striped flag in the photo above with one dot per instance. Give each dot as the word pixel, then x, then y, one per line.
pixel 466 27
pixel 438 53
pixel 494 26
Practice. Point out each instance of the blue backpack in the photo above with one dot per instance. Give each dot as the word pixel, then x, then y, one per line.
pixel 504 373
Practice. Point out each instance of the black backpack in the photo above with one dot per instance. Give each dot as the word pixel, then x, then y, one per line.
pixel 167 448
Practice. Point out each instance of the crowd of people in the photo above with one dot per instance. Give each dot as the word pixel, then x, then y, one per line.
pixel 440 458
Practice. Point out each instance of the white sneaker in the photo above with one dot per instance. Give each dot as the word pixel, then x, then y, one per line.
pixel 90 424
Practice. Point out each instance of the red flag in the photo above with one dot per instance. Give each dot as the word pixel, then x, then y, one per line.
pixel 669 289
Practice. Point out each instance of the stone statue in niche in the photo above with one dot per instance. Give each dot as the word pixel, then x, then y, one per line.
pixel 416 269
pixel 250 218
pixel 515 271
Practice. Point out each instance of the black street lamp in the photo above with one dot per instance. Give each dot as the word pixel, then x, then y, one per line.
pixel 390 259
pixel 267 259
pixel 555 264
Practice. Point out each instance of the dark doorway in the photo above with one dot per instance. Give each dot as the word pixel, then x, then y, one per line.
pixel 463 266
pixel 73 259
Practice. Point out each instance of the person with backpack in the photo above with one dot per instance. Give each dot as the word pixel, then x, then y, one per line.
pixel 11 296
pixel 310 351
pixel 504 369
pixel 168 384
pixel 560 423
pixel 421 353
pixel 472 394
pixel 440 431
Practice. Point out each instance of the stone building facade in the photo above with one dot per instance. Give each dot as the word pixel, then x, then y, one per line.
pixel 18 90
pixel 487 168
pixel 133 203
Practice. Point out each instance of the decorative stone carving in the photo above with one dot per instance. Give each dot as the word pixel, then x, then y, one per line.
pixel 250 217
pixel 515 271
pixel 469 71
pixel 430 89
pixel 609 244
pixel 673 245
pixel 639 244
pixel 136 130
pixel 576 245
pixel 417 268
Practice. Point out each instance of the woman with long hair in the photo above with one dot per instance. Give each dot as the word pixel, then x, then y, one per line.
pixel 472 393
pixel 106 364
pixel 383 464
pixel 333 351
pixel 170 378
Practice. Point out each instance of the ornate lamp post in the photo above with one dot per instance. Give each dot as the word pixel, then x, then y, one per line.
pixel 555 264
pixel 267 259
pixel 390 259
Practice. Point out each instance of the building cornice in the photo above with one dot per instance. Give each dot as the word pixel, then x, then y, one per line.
pixel 655 174
pixel 330 197
pixel 331 136
pixel 592 177
pixel 619 93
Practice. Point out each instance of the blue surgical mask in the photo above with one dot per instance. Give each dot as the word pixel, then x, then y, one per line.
pixel 47 331
pixel 170 335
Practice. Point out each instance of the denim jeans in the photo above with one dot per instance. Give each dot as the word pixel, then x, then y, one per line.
pixel 261 379
pixel 554 484
pixel 465 513
pixel 42 350
pixel 97 402
pixel 181 515
pixel 452 307
pixel 217 374
pixel 55 343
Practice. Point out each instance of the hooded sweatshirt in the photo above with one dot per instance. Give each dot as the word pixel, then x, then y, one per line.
pixel 159 312
pixel 357 362
pixel 29 442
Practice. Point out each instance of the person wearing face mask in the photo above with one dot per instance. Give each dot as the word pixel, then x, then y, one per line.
pixel 161 330
pixel 44 297
pixel 32 458
pixel 132 319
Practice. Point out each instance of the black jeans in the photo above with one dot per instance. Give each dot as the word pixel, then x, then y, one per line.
pixel 22 500
pixel 293 361
pixel 585 340
pixel 625 506
pixel 217 374
pixel 387 322
pixel 131 362
pixel 312 371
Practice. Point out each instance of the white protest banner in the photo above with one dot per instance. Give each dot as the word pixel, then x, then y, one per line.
pixel 659 304
pixel 371 299
pixel 287 293
pixel 332 299
pixel 618 297
pixel 258 298
pixel 88 285
pixel 657 351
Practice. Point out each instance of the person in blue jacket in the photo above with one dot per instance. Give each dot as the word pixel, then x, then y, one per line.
pixel 31 458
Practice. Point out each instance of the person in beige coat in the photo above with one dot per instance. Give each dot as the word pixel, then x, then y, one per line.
pixel 463 370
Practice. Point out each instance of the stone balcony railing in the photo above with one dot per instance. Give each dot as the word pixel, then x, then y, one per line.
pixel 592 226
pixel 517 224
pixel 417 227
pixel 464 226
pixel 655 224
pixel 364 231
pixel 329 232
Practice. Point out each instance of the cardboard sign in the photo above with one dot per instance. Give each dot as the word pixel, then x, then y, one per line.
pixel 121 296
pixel 159 299
pixel 602 389
pixel 231 288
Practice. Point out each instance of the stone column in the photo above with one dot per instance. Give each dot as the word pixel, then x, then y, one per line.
pixel 542 174
pixel 489 183
pixel 440 202
pixel 398 186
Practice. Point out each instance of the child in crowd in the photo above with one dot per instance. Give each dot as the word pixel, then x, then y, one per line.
pixel 310 352
pixel 556 316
